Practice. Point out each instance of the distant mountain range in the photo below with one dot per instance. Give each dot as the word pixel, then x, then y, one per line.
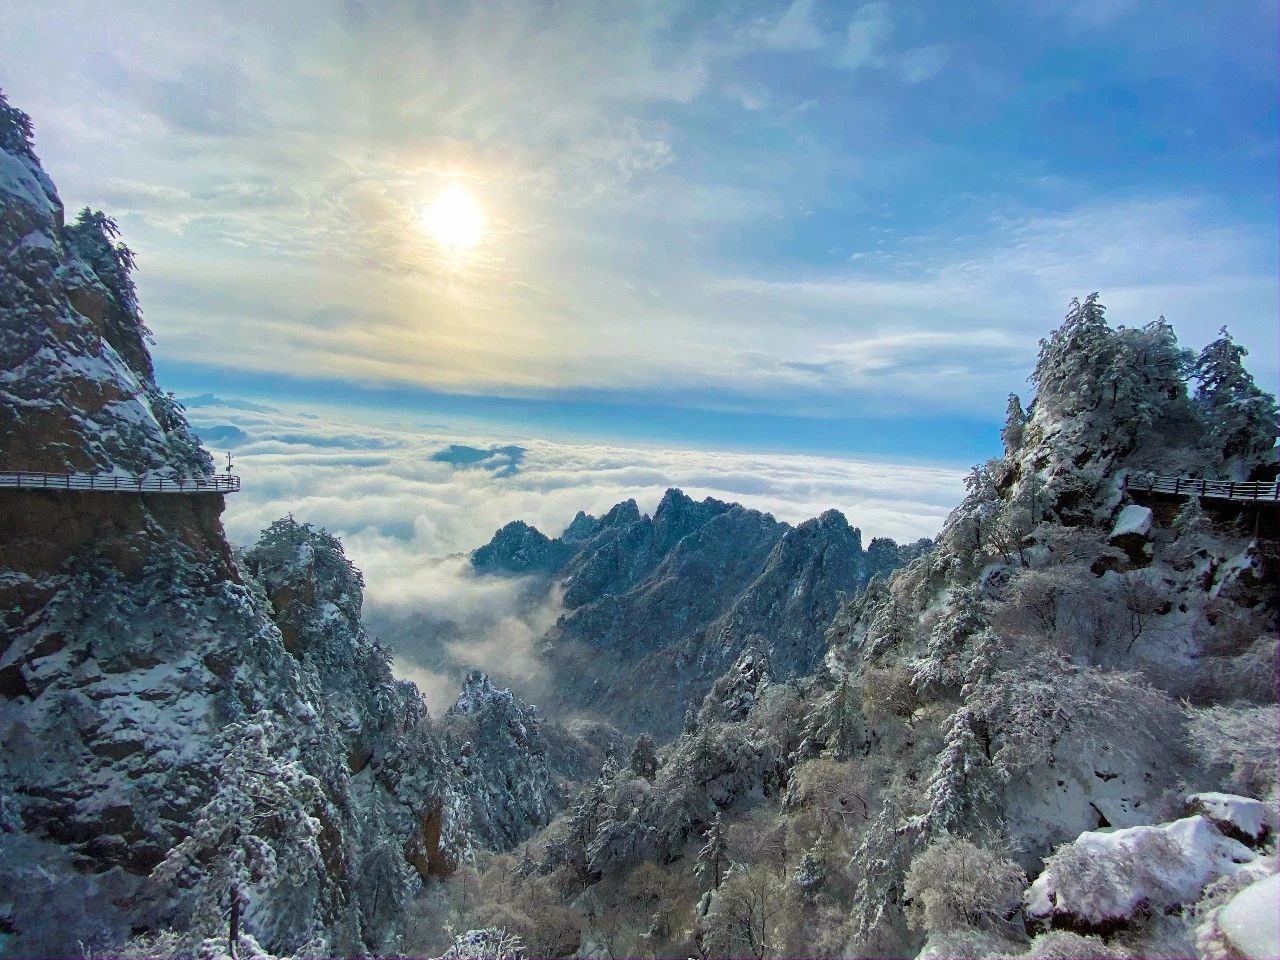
pixel 656 607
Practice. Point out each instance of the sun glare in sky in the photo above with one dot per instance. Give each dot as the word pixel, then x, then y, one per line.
pixel 454 219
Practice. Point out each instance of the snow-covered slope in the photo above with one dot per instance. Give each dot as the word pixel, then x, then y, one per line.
pixel 1072 692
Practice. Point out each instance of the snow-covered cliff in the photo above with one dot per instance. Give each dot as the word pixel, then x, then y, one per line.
pixel 146 671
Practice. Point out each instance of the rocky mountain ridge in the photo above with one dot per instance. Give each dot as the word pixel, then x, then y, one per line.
pixel 666 603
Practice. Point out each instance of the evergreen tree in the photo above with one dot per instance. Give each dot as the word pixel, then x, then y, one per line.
pixel 256 831
pixel 890 626
pixel 837 720
pixel 16 133
pixel 690 725
pixel 811 871
pixel 581 826
pixel 1240 418
pixel 1015 422
pixel 1070 370
pixel 1190 518
pixel 644 758
pixel 713 858
pixel 95 237
pixel 964 790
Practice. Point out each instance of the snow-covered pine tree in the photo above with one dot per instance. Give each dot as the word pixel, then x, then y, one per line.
pixel 1191 518
pixel 256 832
pixel 1015 422
pixel 690 724
pixel 963 791
pixel 947 661
pixel 580 828
pixel 385 876
pixel 811 871
pixel 880 862
pixel 95 237
pixel 1073 361
pixel 16 132
pixel 1145 372
pixel 890 627
pixel 644 757
pixel 1240 418
pixel 836 720
pixel 713 858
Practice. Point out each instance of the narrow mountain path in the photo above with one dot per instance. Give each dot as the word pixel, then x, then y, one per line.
pixel 1251 492
pixel 116 483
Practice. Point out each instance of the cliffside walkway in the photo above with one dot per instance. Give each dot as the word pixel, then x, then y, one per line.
pixel 1250 492
pixel 28 480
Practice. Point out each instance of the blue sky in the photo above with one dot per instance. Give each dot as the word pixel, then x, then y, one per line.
pixel 809 226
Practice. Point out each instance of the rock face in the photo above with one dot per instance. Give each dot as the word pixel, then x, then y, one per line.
pixel 77 389
pixel 502 756
pixel 132 636
pixel 658 607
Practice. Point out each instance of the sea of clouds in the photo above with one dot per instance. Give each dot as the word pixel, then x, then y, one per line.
pixel 409 500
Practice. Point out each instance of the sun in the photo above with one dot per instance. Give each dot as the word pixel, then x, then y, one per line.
pixel 454 219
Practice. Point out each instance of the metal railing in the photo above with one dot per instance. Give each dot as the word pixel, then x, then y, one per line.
pixel 113 483
pixel 1208 489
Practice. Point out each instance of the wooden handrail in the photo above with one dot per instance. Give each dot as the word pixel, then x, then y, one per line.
pixel 139 483
pixel 1251 491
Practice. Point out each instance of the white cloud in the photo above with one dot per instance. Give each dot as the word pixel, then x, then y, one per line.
pixel 964 325
pixel 407 521
pixel 794 29
pixel 868 34
pixel 616 199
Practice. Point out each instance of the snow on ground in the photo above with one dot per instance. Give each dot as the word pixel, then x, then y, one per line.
pixel 1251 921
pixel 1247 926
pixel 1243 814
pixel 1106 876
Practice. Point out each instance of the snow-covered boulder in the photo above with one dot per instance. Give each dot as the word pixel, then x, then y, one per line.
pixel 1103 879
pixel 1132 533
pixel 1133 520
pixel 1247 925
pixel 1242 818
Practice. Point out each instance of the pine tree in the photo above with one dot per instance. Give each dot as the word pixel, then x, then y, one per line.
pixel 890 627
pixel 811 871
pixel 581 827
pixel 644 758
pixel 964 790
pixel 95 237
pixel 1190 519
pixel 1015 422
pixel 713 858
pixel 256 831
pixel 1073 361
pixel 16 133
pixel 690 725
pixel 836 720
pixel 1240 418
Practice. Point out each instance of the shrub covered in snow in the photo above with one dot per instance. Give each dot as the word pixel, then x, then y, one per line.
pixel 954 885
